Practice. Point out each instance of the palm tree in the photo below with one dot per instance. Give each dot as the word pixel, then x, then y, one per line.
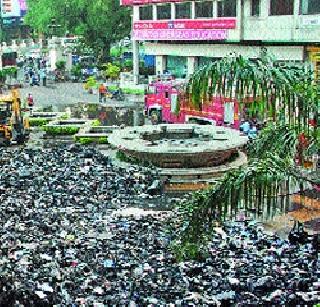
pixel 265 183
pixel 267 86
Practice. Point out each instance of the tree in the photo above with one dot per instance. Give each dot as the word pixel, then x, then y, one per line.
pixel 100 22
pixel 90 84
pixel 112 71
pixel 261 85
pixel 76 70
pixel 61 65
pixel 264 184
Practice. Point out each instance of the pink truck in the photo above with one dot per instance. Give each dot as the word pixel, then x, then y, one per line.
pixel 161 105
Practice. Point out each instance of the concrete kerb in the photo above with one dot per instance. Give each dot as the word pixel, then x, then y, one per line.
pixel 47 115
pixel 201 174
pixel 74 122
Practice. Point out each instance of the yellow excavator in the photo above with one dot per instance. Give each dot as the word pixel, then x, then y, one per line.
pixel 14 128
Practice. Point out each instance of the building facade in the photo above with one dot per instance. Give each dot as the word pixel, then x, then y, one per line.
pixel 186 34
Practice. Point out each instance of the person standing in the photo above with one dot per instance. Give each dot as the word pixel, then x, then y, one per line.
pixel 31 74
pixel 43 76
pixel 245 127
pixel 30 102
pixel 102 92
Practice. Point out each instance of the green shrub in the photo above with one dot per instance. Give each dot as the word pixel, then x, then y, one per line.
pixel 61 65
pixel 85 140
pixel 76 70
pixel 61 130
pixel 89 140
pixel 103 140
pixel 128 63
pixel 115 51
pixel 96 123
pixel 133 91
pixel 64 117
pixel 92 107
pixel 36 122
pixel 112 71
pixel 126 90
pixel 91 83
pixel 113 87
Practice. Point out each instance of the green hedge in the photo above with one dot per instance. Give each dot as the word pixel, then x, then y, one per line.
pixel 103 140
pixel 89 140
pixel 113 87
pixel 133 91
pixel 85 140
pixel 36 121
pixel 96 123
pixel 64 117
pixel 61 130
pixel 126 90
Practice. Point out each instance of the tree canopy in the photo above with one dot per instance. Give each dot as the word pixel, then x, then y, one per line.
pixel 100 22
pixel 265 183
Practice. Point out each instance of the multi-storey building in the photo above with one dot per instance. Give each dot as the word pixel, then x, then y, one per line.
pixel 185 34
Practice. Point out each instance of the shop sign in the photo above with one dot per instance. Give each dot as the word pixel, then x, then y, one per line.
pixel 223 23
pixel 179 34
pixel 141 2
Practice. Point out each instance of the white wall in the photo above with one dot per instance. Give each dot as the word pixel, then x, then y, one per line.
pixel 307 28
pixel 191 64
pixel 292 28
pixel 135 13
pixel 161 63
pixel 293 53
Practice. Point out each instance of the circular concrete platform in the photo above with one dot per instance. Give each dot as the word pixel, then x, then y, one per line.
pixel 179 146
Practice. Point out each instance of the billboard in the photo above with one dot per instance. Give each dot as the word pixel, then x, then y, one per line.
pixel 221 23
pixel 141 2
pixel 180 34
pixel 13 8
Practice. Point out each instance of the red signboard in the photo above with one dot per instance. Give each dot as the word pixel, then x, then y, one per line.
pixel 221 23
pixel 141 2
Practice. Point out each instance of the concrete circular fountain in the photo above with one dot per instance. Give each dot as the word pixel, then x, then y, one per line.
pixel 184 146
pixel 183 153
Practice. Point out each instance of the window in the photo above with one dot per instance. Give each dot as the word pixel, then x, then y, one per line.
pixel 255 7
pixel 164 11
pixel 281 7
pixel 183 10
pixel 204 61
pixel 145 12
pixel 309 7
pixel 204 9
pixel 177 66
pixel 227 8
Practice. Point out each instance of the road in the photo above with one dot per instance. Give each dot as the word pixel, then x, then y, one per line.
pixel 58 95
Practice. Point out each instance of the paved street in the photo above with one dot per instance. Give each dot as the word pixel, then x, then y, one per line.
pixel 58 95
